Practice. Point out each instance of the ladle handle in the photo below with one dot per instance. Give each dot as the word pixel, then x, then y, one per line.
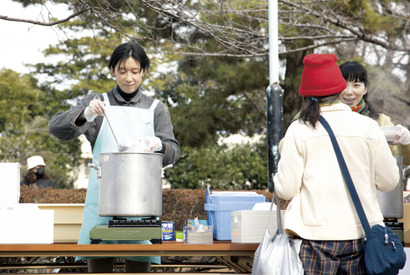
pixel 109 124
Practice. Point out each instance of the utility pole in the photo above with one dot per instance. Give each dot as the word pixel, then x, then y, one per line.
pixel 274 96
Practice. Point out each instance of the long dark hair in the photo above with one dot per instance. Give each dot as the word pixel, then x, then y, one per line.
pixel 355 72
pixel 310 110
pixel 32 177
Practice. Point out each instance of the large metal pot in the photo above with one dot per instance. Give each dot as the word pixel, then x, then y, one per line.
pixel 130 184
pixel 391 203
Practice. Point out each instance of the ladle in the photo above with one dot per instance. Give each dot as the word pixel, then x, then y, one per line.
pixel 109 124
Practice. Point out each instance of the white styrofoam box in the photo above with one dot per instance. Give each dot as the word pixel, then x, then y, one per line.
pixel 10 182
pixel 25 224
pixel 248 226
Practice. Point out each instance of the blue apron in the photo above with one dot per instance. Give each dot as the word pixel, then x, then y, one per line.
pixel 129 124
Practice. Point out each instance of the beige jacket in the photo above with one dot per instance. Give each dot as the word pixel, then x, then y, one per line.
pixel 397 150
pixel 309 175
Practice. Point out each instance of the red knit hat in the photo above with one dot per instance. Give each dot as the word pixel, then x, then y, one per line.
pixel 321 76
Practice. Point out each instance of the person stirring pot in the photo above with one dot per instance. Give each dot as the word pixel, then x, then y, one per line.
pixel 144 120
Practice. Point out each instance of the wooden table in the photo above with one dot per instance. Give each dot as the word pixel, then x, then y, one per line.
pixel 236 256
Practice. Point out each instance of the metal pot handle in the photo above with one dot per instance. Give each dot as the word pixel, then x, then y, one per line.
pixel 165 168
pixel 92 165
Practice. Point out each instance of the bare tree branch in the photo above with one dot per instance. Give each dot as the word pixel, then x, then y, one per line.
pixel 242 30
pixel 407 102
pixel 49 24
pixel 338 21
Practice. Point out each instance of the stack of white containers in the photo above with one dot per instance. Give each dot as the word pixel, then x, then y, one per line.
pixel 221 204
pixel 248 226
pixel 21 223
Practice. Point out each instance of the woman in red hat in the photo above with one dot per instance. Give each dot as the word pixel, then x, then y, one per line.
pixel 321 211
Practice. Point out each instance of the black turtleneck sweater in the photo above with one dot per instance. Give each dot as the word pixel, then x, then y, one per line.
pixel 125 96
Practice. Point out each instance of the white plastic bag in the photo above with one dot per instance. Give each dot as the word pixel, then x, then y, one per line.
pixel 277 255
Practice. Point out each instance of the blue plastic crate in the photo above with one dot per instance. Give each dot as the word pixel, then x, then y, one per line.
pixel 219 206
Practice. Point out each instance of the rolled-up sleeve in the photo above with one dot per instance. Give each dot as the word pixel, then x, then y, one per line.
pixel 62 125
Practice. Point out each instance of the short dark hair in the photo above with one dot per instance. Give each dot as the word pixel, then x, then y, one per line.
pixel 355 72
pixel 127 50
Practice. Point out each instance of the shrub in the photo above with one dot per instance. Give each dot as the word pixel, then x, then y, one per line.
pixel 178 204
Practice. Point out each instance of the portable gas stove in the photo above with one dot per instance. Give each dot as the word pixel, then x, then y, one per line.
pixel 122 229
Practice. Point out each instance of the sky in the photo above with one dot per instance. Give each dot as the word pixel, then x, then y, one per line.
pixel 23 42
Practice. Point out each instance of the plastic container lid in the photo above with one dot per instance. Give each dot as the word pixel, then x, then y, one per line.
pixel 234 193
pixel 390 132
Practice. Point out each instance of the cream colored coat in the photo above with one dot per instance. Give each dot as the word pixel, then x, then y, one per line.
pixel 309 175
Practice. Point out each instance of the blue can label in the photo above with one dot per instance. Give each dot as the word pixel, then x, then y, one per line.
pixel 168 231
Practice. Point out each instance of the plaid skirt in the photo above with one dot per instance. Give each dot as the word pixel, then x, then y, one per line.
pixel 332 257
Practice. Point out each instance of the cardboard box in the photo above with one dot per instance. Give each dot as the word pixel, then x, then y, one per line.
pixel 248 226
pixel 220 205
pixel 406 223
pixel 68 218
pixel 26 224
